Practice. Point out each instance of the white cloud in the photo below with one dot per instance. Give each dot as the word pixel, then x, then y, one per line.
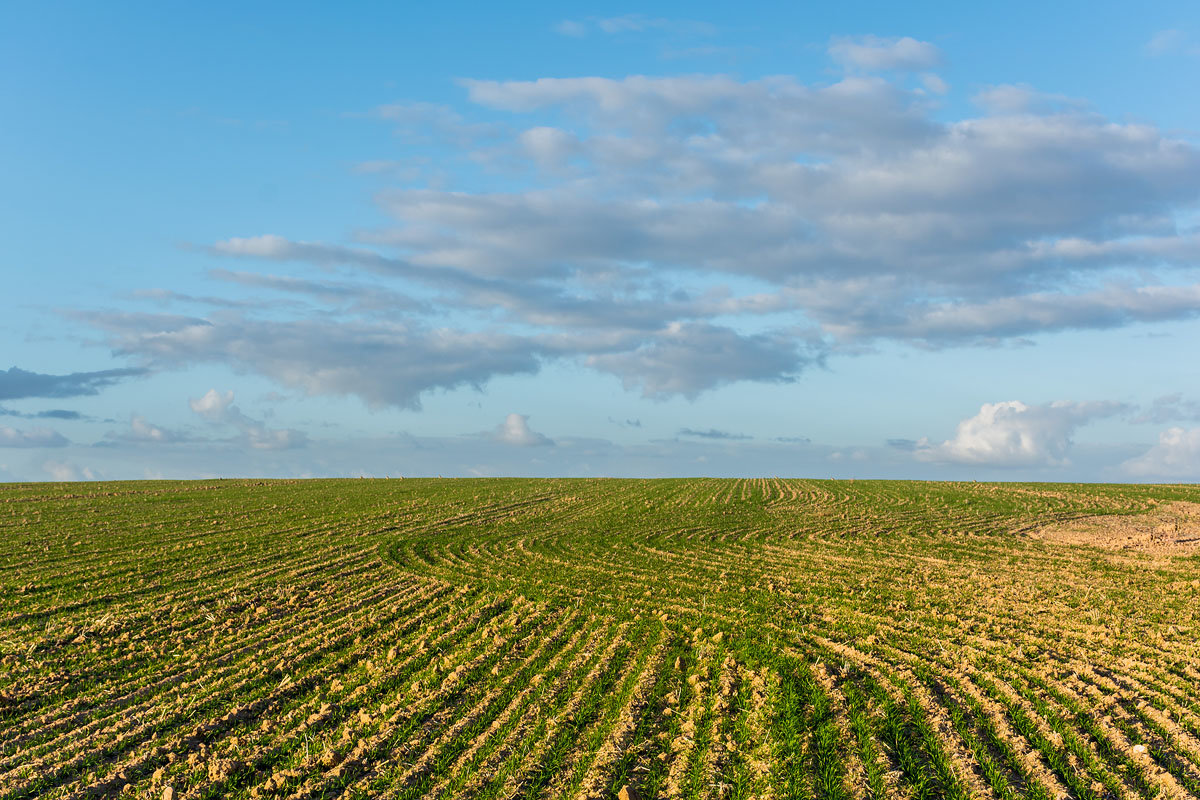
pixel 690 358
pixel 882 189
pixel 213 406
pixel 384 363
pixel 880 53
pixel 143 431
pixel 515 430
pixel 937 324
pixel 1175 457
pixel 1169 408
pixel 34 437
pixel 1013 434
pixel 428 123
pixel 218 408
pixel 653 452
pixel 549 147
pixel 842 213
pixel 1022 99
pixel 634 23
pixel 64 471
pixel 263 438
pixel 265 246
pixel 1164 42
pixel 934 83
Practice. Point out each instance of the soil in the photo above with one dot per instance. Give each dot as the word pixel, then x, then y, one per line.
pixel 1171 528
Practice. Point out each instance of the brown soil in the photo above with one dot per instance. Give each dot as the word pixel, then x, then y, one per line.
pixel 1171 528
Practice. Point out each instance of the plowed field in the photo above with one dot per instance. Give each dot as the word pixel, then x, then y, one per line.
pixel 587 638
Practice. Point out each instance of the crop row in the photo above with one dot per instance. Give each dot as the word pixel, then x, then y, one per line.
pixel 576 638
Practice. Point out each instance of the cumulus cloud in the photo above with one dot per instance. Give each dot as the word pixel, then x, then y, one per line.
pixel 65 471
pixel 278 248
pixel 140 430
pixel 34 437
pixel 945 323
pixel 879 53
pixel 549 147
pixel 934 83
pixel 515 430
pixel 1019 98
pixel 18 383
pixel 884 183
pixel 1175 457
pixel 1013 434
pixel 1169 408
pixel 212 405
pixel 358 297
pixel 686 232
pixel 382 363
pixel 689 358
pixel 263 438
pixel 217 407
pixel 431 123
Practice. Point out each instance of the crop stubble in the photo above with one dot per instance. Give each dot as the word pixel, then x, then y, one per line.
pixel 580 638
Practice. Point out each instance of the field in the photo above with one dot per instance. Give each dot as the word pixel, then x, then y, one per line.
pixel 595 638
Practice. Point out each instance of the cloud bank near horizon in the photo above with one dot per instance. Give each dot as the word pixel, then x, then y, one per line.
pixel 1003 441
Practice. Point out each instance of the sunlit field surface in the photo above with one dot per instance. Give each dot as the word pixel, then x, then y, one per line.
pixel 585 638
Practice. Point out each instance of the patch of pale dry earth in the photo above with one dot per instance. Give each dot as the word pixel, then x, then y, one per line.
pixel 1173 528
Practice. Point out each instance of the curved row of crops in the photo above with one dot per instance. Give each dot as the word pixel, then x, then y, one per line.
pixel 577 638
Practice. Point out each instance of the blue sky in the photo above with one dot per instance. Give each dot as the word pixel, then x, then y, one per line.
pixel 833 240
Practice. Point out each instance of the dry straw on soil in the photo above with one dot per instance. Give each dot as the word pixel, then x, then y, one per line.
pixel 589 639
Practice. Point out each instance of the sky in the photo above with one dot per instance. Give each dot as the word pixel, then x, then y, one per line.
pixel 853 240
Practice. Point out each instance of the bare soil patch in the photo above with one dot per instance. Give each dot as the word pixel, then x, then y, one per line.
pixel 1170 528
